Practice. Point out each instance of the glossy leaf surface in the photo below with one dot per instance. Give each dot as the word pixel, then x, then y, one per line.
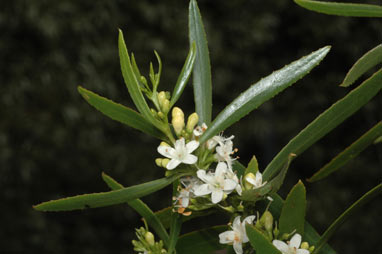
pixel 184 75
pixel 342 9
pixel 373 193
pixel 106 198
pixel 259 242
pixel 262 91
pixel 202 69
pixel 140 207
pixel 120 113
pixel 349 153
pixel 366 62
pixel 327 121
pixel 293 212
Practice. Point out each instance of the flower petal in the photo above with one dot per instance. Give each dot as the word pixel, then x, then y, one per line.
pixel 295 241
pixel 229 185
pixel 172 164
pixel 281 246
pixel 217 196
pixel 166 151
pixel 227 237
pixel 221 169
pixel 202 190
pixel 190 159
pixel 249 220
pixel 179 144
pixel 191 146
pixel 302 251
pixel 238 247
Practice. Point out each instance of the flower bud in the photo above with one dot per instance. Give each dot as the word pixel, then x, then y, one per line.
pixel 149 237
pixel 161 97
pixel 304 245
pixel 158 161
pixel 311 249
pixel 164 162
pixel 192 121
pixel 165 106
pixel 267 220
pixel 177 120
pixel 161 115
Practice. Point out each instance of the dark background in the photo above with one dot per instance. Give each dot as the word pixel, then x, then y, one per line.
pixel 53 144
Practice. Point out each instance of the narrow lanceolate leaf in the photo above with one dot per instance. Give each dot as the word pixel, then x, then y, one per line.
pixel 327 121
pixel 184 75
pixel 132 83
pixel 347 214
pixel 106 198
pixel 349 153
pixel 120 113
pixel 293 212
pixel 342 9
pixel 310 234
pixel 259 242
pixel 140 207
pixel 202 70
pixel 205 241
pixel 366 62
pixel 176 225
pixel 262 91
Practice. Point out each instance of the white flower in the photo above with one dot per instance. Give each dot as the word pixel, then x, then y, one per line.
pixel 256 181
pixel 237 236
pixel 231 175
pixel 216 184
pixel 183 198
pixel 225 150
pixel 181 153
pixel 291 247
pixel 199 130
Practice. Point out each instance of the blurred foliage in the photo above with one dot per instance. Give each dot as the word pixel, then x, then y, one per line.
pixel 53 144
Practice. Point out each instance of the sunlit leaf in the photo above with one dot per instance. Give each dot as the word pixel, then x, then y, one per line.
pixel 202 69
pixel 259 242
pixel 292 216
pixel 342 9
pixel 327 121
pixel 204 241
pixel 106 198
pixel 262 91
pixel 349 153
pixel 184 75
pixel 373 193
pixel 120 113
pixel 140 207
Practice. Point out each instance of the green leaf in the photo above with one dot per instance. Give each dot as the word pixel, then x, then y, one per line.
pixel 293 212
pixel 310 234
pixel 120 113
pixel 378 140
pixel 347 214
pixel 259 242
pixel 176 225
pixel 342 9
pixel 202 69
pixel 262 91
pixel 204 241
pixel 184 75
pixel 349 153
pixel 253 166
pixel 366 62
pixel 164 215
pixel 327 121
pixel 132 83
pixel 106 198
pixel 140 207
pixel 271 187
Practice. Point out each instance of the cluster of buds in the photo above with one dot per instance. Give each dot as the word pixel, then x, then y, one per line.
pixel 146 243
pixel 178 123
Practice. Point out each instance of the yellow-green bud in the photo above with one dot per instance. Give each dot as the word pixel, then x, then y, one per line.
pixel 161 97
pixel 165 162
pixel 267 220
pixel 177 112
pixel 143 80
pixel 311 249
pixel 163 144
pixel 153 112
pixel 247 184
pixel 165 106
pixel 177 120
pixel 304 245
pixel 149 237
pixel 285 236
pixel 276 232
pixel 158 161
pixel 192 121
